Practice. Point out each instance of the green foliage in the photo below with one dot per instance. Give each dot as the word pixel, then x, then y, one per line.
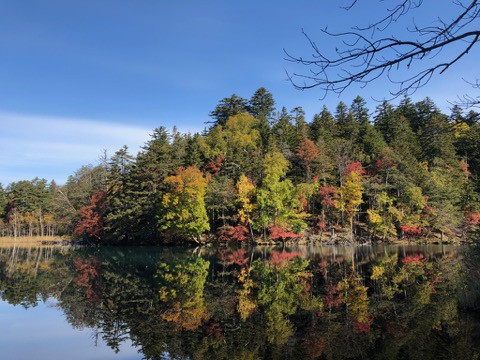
pixel 227 108
pixel 182 212
pixel 182 292
pixel 276 198
pixel 279 291
pixel 421 176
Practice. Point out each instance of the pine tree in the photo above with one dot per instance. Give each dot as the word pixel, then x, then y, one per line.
pixel 227 107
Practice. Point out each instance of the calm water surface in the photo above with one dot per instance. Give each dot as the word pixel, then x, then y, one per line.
pixel 325 302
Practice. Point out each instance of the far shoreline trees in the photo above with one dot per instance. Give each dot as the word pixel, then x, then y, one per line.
pixel 410 172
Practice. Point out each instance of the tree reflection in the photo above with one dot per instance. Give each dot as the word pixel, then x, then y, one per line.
pixel 224 305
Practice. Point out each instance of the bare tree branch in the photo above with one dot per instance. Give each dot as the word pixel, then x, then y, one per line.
pixel 364 57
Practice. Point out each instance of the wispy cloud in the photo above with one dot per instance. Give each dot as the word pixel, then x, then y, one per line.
pixel 54 147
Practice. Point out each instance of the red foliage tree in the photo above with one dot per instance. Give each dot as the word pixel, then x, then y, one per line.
pixel 281 232
pixel 464 167
pixel 472 218
pixel 362 326
pixel 92 216
pixel 384 162
pixel 307 151
pixel 410 230
pixel 214 166
pixel 355 167
pixel 328 196
pixel 235 233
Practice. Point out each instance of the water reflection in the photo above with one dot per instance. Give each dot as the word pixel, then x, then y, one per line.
pixel 392 302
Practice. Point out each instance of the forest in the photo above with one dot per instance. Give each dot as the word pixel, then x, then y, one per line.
pixel 259 173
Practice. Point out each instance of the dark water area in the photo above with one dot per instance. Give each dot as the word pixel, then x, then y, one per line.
pixel 319 302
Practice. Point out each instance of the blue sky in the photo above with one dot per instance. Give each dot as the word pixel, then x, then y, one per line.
pixel 80 77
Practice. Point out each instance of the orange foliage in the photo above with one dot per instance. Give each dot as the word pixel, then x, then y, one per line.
pixel 91 216
pixel 307 151
pixel 355 167
pixel 464 168
pixel 214 166
pixel 472 218
pixel 328 194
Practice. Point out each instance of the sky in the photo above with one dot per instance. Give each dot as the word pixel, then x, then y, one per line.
pixel 81 77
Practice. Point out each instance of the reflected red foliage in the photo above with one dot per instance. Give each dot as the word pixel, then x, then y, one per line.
pixel 213 328
pixel 88 272
pixel 281 258
pixel 414 259
pixel 332 298
pixel 323 264
pixel 314 345
pixel 432 284
pixel 237 257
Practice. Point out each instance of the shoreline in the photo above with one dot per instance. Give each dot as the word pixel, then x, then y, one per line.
pixel 7 241
pixel 36 241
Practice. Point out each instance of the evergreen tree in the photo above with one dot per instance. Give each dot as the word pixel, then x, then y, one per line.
pixel 122 206
pixel 261 105
pixel 228 107
pixel 437 139
pixel 285 133
pixel 359 111
pixel 324 126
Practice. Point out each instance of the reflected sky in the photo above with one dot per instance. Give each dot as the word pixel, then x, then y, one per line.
pixel 42 332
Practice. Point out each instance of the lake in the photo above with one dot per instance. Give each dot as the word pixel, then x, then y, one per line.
pixel 318 302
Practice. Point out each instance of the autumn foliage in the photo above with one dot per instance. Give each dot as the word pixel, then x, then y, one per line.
pixel 414 259
pixel 88 272
pixel 281 232
pixel 233 233
pixel 92 216
pixel 236 257
pixel 307 151
pixel 280 258
pixel 410 230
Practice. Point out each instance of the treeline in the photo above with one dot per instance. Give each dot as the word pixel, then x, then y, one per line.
pixel 408 171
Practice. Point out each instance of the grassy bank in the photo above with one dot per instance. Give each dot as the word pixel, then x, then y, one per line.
pixel 33 240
